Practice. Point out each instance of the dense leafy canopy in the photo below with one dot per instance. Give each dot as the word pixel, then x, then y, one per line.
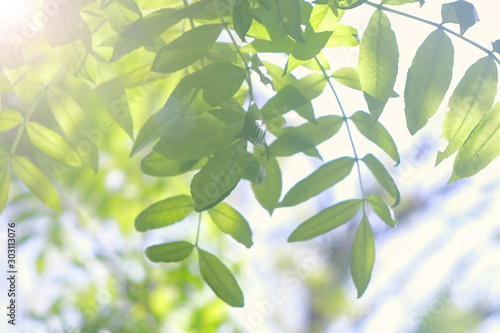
pixel 186 53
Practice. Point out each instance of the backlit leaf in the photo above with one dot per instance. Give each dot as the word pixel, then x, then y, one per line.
pixel 362 256
pixel 376 133
pixel 164 213
pixel 254 129
pixel 9 119
pixel 480 148
pixel 323 178
pixel 382 210
pixel 169 252
pixel 378 61
pixel 37 182
pixel 186 49
pixel 348 76
pixel 242 18
pixel 428 79
pixel 200 135
pixel 303 137
pixel 383 177
pixel 473 96
pixel 53 144
pixel 155 164
pixel 288 12
pixel 220 279
pixel 231 222
pixel 268 193
pixel 343 36
pixel 326 220
pixel 217 179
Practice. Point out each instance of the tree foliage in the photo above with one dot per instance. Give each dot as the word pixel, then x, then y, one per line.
pixel 204 59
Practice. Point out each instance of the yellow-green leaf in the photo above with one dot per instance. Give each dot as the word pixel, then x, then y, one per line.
pixel 169 252
pixel 53 144
pixel 37 182
pixel 231 222
pixel 220 279
pixel 362 256
pixel 164 213
pixel 382 210
pixel 9 119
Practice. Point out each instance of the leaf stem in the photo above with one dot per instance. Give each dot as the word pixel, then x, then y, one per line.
pixel 356 158
pixel 437 25
pixel 233 40
pixel 198 231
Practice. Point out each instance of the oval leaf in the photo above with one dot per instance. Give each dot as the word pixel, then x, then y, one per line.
pixel 220 279
pixel 348 76
pixel 473 96
pixel 303 137
pixel 231 222
pixel 325 221
pixel 383 177
pixel 164 213
pixel 362 256
pixel 186 49
pixel 217 179
pixel 480 148
pixel 323 178
pixel 37 182
pixel 53 144
pixel 376 133
pixel 382 210
pixel 242 18
pixel 268 193
pixel 169 252
pixel 428 79
pixel 378 61
pixel 462 12
pixel 155 164
pixel 200 135
pixel 9 119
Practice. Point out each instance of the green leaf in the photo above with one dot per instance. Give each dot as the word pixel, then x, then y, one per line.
pixel 254 171
pixel 164 213
pixel 268 193
pixel 324 19
pixel 303 137
pixel 472 97
pixel 223 84
pixel 343 36
pixel 480 148
pixel 37 182
pixel 325 221
pixel 200 135
pixel 378 60
pixel 312 46
pixel 362 256
pixel 289 15
pixel 220 279
pixel 53 144
pixel 376 133
pixel 78 60
pixel 323 178
pixel 428 79
pixel 383 177
pixel 9 119
pixel 496 46
pixel 254 129
pixel 348 76
pixel 242 18
pixel 186 49
pixel 231 222
pixel 169 252
pixel 382 210
pixel 155 164
pixel 4 183
pixel 461 12
pixel 113 96
pixel 73 122
pixel 217 179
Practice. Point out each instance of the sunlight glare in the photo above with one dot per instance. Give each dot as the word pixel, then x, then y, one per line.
pixel 11 12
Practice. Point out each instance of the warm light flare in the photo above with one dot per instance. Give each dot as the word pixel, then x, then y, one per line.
pixel 12 13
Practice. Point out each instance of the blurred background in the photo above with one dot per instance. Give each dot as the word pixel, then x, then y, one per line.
pixel 438 271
